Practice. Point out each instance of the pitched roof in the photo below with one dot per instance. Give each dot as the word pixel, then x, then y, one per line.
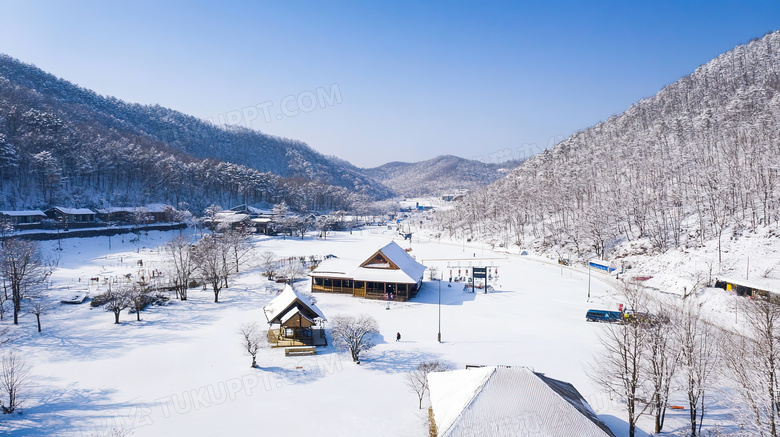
pixel 289 301
pixel 73 211
pixel 391 263
pixel 35 212
pixel 509 401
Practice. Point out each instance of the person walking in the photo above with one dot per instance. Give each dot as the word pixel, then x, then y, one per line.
pixel 398 337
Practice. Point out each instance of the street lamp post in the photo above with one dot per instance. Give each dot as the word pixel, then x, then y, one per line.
pixel 440 278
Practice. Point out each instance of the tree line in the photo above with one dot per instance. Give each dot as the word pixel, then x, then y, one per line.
pixel 698 160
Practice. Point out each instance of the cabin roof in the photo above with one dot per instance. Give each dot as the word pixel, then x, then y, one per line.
pixel 496 400
pixel 28 213
pixel 289 301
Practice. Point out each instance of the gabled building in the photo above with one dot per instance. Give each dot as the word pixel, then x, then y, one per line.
pixel 71 215
pixel 23 219
pixel 294 320
pixel 509 401
pixel 389 274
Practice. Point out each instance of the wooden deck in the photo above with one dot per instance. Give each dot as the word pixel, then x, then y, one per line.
pixel 317 339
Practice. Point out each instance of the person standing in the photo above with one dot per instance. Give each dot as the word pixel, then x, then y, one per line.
pixel 398 337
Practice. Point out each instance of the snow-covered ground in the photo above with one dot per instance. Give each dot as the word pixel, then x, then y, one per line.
pixel 181 369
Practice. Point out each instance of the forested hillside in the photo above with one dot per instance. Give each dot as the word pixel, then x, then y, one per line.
pixel 438 175
pixel 698 161
pixel 60 143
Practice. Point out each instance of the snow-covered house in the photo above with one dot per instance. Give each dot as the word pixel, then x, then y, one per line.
pixel 297 319
pixel 23 219
pixel 509 401
pixel 765 287
pixel 71 215
pixel 389 273
pixel 227 219
pixel 152 213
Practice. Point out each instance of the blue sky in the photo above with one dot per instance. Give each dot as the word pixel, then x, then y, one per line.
pixel 373 82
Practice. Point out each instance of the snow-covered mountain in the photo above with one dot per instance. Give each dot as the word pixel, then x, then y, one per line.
pixel 438 175
pixel 697 163
pixel 59 141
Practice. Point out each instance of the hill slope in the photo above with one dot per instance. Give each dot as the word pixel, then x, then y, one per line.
pixel 41 113
pixel 698 162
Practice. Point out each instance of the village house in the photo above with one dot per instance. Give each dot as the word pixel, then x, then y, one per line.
pixel 294 321
pixel 389 274
pixel 24 219
pixel 509 401
pixel 71 215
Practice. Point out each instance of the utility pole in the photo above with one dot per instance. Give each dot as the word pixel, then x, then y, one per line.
pixel 588 265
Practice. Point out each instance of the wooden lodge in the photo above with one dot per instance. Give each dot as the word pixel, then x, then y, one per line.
pixel 294 321
pixel 388 274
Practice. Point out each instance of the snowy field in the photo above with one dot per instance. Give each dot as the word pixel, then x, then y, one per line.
pixel 181 369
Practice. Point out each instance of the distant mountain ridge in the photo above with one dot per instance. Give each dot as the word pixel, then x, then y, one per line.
pixel 438 175
pixel 90 118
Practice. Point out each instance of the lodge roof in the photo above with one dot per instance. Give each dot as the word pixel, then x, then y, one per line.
pixel 390 264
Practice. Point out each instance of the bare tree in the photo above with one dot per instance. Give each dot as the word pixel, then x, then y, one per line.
pixel 621 365
pixel 745 369
pixel 253 339
pixel 210 258
pixel 22 267
pixel 268 264
pixel 324 224
pixel 3 308
pixel 38 308
pixel 752 362
pixel 661 364
pixel 292 270
pixel 417 379
pixel 138 297
pixel 181 265
pixel 14 378
pixel 354 333
pixel 117 298
pixel 698 356
pixel 238 245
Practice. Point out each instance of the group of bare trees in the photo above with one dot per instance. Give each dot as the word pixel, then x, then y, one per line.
pixel 664 349
pixel 23 270
pixel 211 260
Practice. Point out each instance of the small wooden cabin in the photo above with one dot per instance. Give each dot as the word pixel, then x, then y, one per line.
pixel 294 321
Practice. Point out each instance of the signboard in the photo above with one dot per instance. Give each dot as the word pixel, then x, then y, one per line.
pixel 479 272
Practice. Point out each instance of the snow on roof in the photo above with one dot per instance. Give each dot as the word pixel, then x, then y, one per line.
pixel 287 298
pixel 74 211
pixel 765 284
pixel 509 401
pixel 230 217
pixel 290 314
pixel 409 271
pixel 114 209
pixel 34 212
pixel 451 392
pixel 158 207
